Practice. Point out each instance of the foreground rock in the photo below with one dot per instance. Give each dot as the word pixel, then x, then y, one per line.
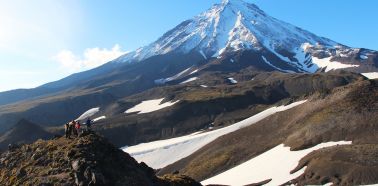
pixel 88 160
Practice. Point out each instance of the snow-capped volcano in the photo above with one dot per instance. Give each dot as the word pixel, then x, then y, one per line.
pixel 235 25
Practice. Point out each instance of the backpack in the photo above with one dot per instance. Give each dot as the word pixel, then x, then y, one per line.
pixel 77 125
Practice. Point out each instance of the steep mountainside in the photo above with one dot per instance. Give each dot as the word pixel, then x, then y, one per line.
pixel 220 104
pixel 88 160
pixel 346 113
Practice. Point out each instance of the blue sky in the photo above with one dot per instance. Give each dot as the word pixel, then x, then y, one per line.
pixel 44 40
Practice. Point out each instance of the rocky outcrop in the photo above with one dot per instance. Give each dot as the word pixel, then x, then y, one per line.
pixel 87 160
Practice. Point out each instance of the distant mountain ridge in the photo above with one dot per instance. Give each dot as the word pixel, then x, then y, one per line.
pixel 231 38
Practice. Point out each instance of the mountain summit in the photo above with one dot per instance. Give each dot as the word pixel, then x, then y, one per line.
pixel 235 25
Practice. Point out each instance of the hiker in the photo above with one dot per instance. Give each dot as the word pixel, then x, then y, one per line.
pixel 77 128
pixel 74 131
pixel 71 126
pixel 66 130
pixel 89 124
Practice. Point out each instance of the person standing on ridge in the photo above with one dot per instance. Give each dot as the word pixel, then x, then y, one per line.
pixel 67 130
pixel 71 127
pixel 77 128
pixel 89 124
pixel 74 131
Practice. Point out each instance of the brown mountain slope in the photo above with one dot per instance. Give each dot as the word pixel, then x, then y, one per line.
pixel 220 103
pixel 88 160
pixel 347 113
pixel 55 110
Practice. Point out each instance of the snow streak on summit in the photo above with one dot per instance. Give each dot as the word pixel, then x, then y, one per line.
pixel 235 25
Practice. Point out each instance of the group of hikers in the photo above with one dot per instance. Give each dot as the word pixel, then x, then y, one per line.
pixel 74 128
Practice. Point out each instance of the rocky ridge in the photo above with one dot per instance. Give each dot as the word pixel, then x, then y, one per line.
pixel 87 160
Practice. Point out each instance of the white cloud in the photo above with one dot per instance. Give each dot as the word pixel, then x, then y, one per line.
pixel 92 57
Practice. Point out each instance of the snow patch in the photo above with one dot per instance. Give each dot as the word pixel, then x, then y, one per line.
pixel 274 164
pixel 304 59
pixel 203 54
pixel 88 113
pixel 204 86
pixel 194 71
pixel 189 80
pixel 178 75
pixel 306 46
pixel 270 64
pixel 343 55
pixel 232 80
pixel 159 154
pixel 165 80
pixel 99 118
pixel 363 57
pixel 330 65
pixel 371 75
pixel 150 106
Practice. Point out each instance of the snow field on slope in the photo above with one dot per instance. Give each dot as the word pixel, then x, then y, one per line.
pixel 159 154
pixel 270 64
pixel 330 65
pixel 301 56
pixel 203 55
pixel 371 75
pixel 232 80
pixel 150 106
pixel 194 71
pixel 89 113
pixel 364 57
pixel 189 80
pixel 178 75
pixel 99 118
pixel 274 164
pixel 165 80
